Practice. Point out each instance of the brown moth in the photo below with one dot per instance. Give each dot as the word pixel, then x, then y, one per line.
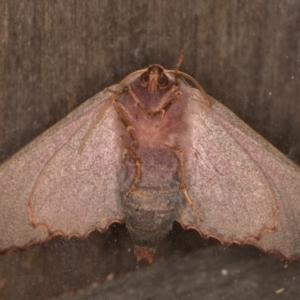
pixel 149 151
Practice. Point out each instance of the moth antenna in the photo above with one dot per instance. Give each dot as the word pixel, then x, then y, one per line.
pixel 207 101
pixel 106 106
pixel 95 123
pixel 111 91
pixel 194 81
pixel 179 62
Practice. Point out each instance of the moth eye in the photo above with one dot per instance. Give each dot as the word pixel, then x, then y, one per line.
pixel 145 79
pixel 125 90
pixel 162 80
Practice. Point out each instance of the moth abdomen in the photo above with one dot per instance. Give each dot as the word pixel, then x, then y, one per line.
pixel 151 207
pixel 149 215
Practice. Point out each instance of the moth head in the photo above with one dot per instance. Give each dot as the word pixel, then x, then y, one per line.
pixel 154 78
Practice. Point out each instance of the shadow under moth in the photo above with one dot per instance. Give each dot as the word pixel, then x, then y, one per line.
pixel 146 152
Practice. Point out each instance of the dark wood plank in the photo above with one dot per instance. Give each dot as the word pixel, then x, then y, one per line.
pixel 214 273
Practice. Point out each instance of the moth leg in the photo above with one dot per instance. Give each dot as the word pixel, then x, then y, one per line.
pixel 168 104
pixel 118 107
pixel 165 101
pixel 183 187
pixel 137 165
pixel 163 104
pixel 130 149
pixel 136 99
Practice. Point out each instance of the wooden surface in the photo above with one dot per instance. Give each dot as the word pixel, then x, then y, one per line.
pixel 56 54
pixel 220 273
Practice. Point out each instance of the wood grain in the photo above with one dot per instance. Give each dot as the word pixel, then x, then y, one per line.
pixel 54 55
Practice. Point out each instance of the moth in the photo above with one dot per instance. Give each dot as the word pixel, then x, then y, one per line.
pixel 146 152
